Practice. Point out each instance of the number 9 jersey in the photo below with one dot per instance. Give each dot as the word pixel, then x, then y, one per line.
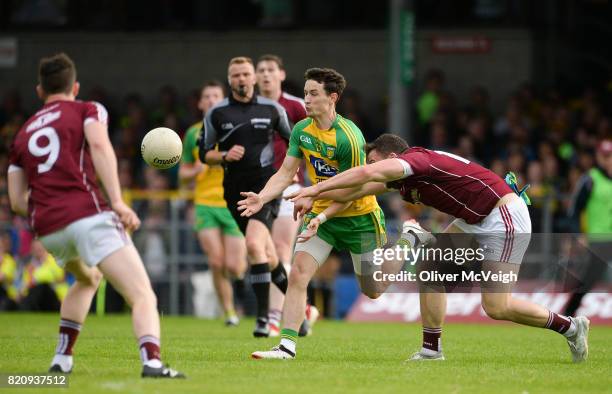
pixel 52 150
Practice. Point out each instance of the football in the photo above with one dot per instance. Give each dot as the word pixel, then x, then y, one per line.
pixel 161 148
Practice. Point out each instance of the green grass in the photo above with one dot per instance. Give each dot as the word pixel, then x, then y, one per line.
pixel 340 357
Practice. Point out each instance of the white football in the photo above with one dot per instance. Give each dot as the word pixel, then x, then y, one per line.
pixel 161 148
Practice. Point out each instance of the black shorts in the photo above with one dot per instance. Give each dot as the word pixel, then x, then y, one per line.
pixel 249 183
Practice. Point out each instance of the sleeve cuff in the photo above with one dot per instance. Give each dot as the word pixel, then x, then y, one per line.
pixel 407 169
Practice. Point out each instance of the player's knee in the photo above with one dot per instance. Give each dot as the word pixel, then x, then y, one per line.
pixel 255 247
pixel 140 293
pixel 152 297
pixel 89 278
pixel 282 247
pixel 495 309
pixel 234 270
pixel 95 277
pixel 215 262
pixel 146 295
pixel 298 276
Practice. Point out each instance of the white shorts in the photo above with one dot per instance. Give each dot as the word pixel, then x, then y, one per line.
pixel 504 234
pixel 92 238
pixel 320 250
pixel 286 207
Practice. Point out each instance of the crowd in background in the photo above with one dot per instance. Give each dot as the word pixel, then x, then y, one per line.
pixel 545 137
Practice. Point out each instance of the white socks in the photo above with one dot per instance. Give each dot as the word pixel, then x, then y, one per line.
pixel 288 344
pixel 571 331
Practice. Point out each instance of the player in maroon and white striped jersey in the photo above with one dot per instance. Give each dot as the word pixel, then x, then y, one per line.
pixel 483 205
pixel 271 73
pixel 53 164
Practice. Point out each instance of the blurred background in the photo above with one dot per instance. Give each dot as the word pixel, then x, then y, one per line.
pixel 516 85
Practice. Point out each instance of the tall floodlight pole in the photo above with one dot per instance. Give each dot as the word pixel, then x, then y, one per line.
pixel 402 67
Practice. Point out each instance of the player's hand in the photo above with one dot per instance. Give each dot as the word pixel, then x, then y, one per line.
pixel 301 207
pixel 310 191
pixel 235 153
pixel 311 231
pixel 127 216
pixel 250 205
pixel 198 166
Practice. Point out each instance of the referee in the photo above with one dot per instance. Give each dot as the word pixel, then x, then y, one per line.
pixel 243 127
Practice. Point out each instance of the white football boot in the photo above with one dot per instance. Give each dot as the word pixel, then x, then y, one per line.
pixel 579 342
pixel 277 353
pixel 423 237
pixel 418 356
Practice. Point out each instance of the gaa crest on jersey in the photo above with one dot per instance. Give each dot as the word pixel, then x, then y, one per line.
pixel 330 152
pixel 322 169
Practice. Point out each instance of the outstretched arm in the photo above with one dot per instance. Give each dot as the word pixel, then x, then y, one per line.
pixel 354 193
pixel 303 205
pixel 253 202
pixel 383 171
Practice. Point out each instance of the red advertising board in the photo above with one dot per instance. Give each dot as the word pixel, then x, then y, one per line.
pixel 466 308
pixel 460 44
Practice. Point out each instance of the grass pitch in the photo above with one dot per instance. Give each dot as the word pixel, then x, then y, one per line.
pixel 341 357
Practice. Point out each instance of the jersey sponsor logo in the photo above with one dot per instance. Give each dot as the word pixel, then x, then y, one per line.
pixel 43 120
pixel 227 126
pixel 322 168
pixel 305 139
pixel 261 123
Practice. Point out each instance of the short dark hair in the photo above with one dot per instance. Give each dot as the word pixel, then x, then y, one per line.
pixel 387 143
pixel 56 74
pixel 272 58
pixel 332 80
pixel 213 83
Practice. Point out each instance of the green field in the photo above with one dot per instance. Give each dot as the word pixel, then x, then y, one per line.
pixel 340 357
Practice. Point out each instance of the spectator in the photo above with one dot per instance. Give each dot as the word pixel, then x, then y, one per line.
pixel 351 107
pixel 427 103
pixel 8 270
pixel 479 103
pixel 43 285
pixel 593 196
pixel 168 105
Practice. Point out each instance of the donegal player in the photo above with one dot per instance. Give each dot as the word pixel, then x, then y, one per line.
pixel 330 144
pixel 271 73
pixel 218 233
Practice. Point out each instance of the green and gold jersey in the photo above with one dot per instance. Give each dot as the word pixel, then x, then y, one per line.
pixel 329 152
pixel 209 182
